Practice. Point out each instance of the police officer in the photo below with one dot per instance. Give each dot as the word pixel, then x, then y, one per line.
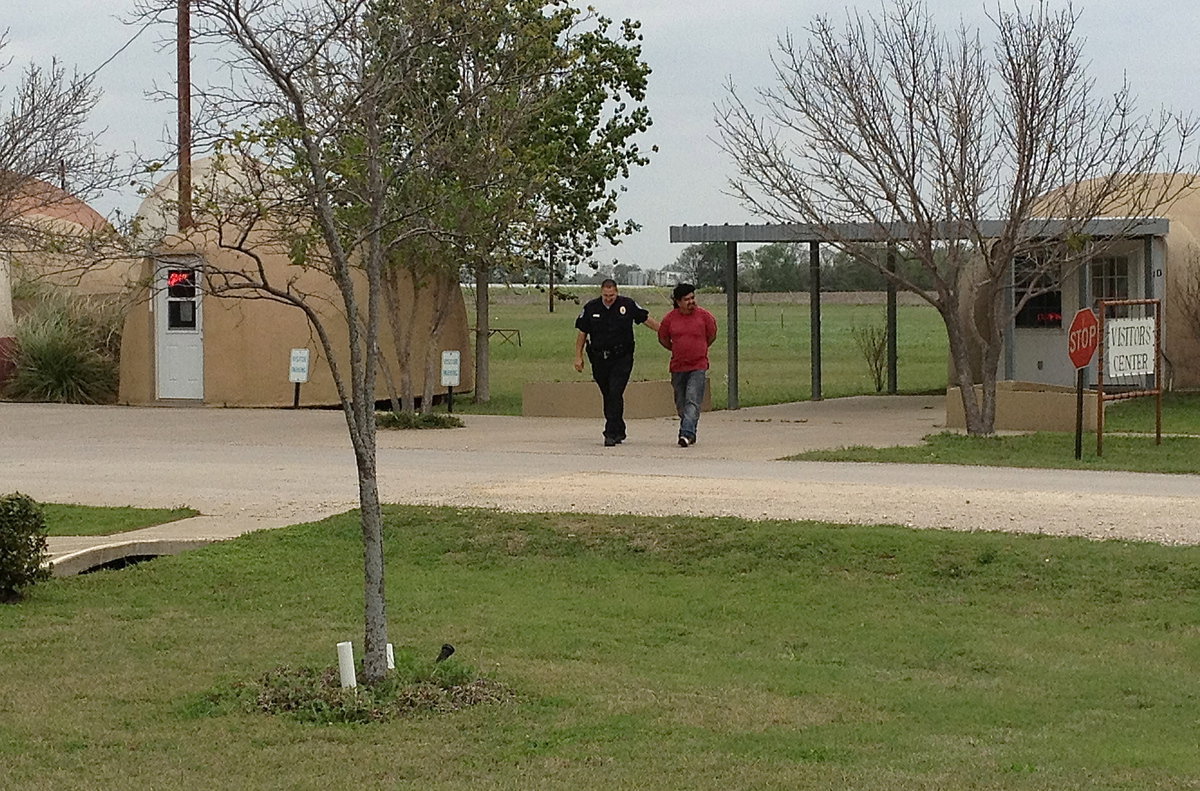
pixel 606 330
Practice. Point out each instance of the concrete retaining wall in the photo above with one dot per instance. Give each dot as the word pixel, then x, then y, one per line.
pixel 1028 406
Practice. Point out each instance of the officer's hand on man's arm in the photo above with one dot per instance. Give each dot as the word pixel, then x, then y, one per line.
pixel 579 363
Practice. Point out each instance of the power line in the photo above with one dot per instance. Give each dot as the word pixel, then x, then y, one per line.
pixel 124 47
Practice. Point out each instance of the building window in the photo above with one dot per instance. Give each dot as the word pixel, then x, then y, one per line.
pixel 181 299
pixel 1110 278
pixel 1043 308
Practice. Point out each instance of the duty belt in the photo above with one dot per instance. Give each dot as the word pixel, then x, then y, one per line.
pixel 609 354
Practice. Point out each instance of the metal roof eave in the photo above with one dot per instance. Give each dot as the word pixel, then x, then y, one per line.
pixel 1130 227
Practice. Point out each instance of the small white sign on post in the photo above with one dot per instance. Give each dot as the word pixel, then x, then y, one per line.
pixel 451 368
pixel 298 370
pixel 1129 347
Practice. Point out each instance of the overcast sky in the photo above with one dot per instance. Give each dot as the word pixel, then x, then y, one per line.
pixel 693 46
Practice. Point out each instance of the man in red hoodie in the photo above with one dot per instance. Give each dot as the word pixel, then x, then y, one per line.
pixel 688 331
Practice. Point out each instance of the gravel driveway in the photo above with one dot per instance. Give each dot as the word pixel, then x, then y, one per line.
pixel 246 469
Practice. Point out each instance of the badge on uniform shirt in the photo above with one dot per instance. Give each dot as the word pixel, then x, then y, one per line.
pixel 622 310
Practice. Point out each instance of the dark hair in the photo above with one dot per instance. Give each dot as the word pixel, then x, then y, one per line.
pixel 608 281
pixel 681 291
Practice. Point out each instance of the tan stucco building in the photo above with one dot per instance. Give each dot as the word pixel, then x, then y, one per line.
pixel 187 342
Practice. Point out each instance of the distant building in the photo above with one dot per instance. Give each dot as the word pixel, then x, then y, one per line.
pixel 665 277
pixel 636 277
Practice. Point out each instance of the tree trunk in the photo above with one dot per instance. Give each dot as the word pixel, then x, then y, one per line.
pixel 393 395
pixel 483 387
pixel 441 307
pixel 400 322
pixel 956 337
pixel 374 600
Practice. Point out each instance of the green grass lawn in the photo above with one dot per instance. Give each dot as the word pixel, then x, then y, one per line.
pixel 672 653
pixel 774 351
pixel 1043 449
pixel 1181 414
pixel 86 520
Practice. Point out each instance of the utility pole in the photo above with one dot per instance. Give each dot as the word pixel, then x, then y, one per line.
pixel 183 52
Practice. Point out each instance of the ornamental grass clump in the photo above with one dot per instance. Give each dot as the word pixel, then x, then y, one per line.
pixel 22 546
pixel 67 351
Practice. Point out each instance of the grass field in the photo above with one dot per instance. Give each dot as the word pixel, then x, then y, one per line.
pixel 646 653
pixel 774 350
pixel 1181 414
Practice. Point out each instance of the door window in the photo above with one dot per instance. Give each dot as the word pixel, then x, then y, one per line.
pixel 181 299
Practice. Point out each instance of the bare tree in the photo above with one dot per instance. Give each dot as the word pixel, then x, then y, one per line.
pixel 49 162
pixel 312 165
pixel 47 155
pixel 887 132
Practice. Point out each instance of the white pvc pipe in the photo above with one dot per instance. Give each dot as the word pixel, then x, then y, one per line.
pixel 391 658
pixel 346 664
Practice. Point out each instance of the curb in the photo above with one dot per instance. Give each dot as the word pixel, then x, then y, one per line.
pixel 72 563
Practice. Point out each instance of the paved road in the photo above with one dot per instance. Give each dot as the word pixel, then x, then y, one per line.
pixel 248 469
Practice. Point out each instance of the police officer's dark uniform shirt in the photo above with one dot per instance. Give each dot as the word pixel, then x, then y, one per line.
pixel 610 328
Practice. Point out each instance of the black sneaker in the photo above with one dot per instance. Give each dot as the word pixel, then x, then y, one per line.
pixel 683 441
pixel 609 442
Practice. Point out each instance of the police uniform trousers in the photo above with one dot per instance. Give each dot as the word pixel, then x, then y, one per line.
pixel 611 372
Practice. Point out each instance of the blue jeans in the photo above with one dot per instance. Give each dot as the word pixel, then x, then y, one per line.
pixel 689 392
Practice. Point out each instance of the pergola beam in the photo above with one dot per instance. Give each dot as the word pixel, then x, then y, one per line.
pixel 866 232
pixel 884 233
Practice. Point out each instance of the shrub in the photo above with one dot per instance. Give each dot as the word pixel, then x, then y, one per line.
pixel 405 420
pixel 872 342
pixel 415 686
pixel 22 545
pixel 66 351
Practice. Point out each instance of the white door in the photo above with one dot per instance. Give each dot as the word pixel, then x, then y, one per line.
pixel 179 330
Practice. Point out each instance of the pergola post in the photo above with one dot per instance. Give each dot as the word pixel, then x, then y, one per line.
pixel 731 321
pixel 892 353
pixel 814 315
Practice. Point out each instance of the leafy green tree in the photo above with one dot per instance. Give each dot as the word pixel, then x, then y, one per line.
pixel 585 138
pixel 774 267
pixel 703 265
pixel 549 99
pixel 580 144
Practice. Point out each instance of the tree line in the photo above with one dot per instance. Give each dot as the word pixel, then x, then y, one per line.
pixel 784 266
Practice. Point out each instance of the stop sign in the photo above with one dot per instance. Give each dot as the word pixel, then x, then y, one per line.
pixel 1083 338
